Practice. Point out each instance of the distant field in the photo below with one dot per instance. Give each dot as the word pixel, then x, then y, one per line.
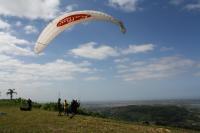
pixel 165 115
pixel 40 121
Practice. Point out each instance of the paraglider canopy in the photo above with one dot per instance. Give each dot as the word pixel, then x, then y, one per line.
pixel 68 20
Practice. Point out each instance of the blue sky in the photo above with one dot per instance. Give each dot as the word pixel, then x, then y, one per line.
pixel 158 57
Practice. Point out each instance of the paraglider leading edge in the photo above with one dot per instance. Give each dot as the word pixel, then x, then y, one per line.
pixel 68 20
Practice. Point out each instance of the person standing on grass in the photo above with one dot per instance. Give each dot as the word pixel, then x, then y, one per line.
pixel 59 107
pixel 29 104
pixel 74 107
pixel 65 105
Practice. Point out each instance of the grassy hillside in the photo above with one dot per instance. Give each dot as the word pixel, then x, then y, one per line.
pixel 46 121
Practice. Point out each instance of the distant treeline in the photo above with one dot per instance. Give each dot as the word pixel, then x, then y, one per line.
pixel 18 102
pixel 166 115
pixel 23 102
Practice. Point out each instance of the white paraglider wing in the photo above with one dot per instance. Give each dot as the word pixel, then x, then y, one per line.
pixel 67 20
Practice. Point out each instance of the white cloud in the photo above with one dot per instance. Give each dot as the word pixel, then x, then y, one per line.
pixel 121 60
pixel 16 71
pixel 4 57
pixel 31 9
pixel 193 6
pixel 176 2
pixel 197 74
pixel 125 5
pixel 4 25
pixel 10 39
pixel 71 7
pixel 18 23
pixel 134 49
pixel 29 29
pixel 93 78
pixel 89 50
pixel 166 49
pixel 155 68
pixel 92 51
pixel 187 5
pixel 12 45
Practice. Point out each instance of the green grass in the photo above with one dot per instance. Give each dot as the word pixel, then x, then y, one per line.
pixel 40 121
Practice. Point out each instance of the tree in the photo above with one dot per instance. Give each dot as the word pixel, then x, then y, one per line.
pixel 11 92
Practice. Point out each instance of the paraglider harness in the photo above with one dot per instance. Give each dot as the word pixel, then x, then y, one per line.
pixel 73 108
